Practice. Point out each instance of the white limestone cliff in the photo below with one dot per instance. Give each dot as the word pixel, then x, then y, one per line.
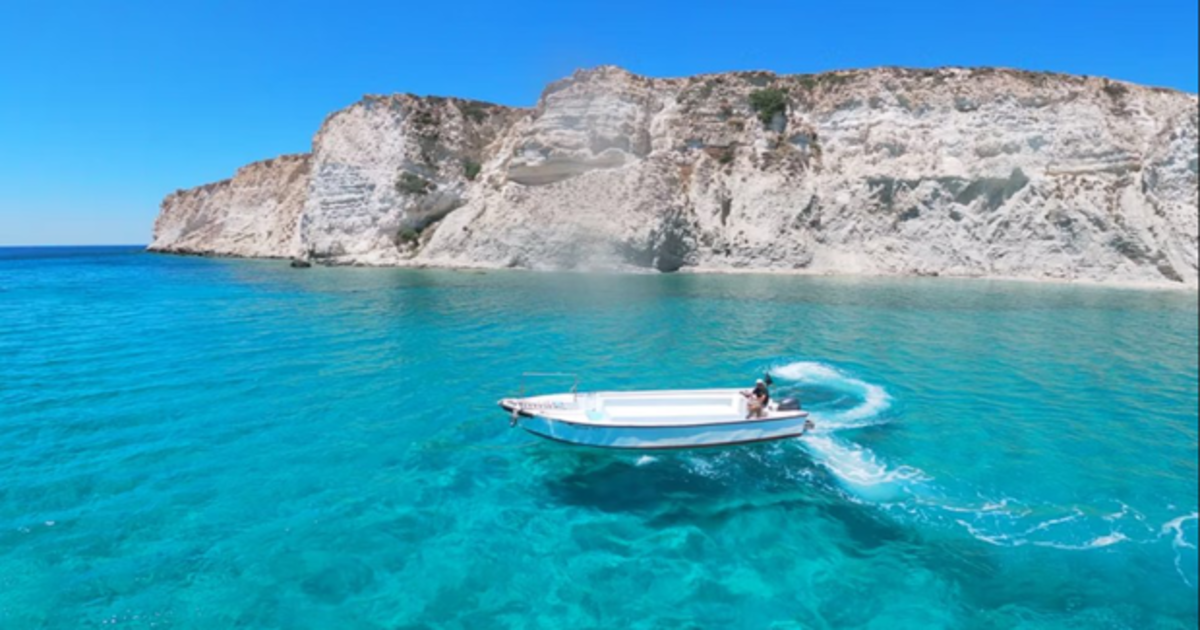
pixel 254 214
pixel 964 172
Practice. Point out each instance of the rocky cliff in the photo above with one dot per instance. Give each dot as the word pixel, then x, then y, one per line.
pixel 256 214
pixel 966 172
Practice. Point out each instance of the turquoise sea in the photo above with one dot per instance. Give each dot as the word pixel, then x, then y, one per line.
pixel 203 443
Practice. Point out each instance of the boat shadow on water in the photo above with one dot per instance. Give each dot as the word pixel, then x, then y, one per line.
pixel 708 487
pixel 776 486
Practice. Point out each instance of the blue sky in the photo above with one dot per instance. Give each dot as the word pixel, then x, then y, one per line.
pixel 107 107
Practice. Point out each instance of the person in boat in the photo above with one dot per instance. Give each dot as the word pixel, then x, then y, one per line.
pixel 757 399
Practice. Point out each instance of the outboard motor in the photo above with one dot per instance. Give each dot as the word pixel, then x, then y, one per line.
pixel 789 404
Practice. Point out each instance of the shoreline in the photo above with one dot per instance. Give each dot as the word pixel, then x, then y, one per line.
pixel 1114 284
pixel 1140 285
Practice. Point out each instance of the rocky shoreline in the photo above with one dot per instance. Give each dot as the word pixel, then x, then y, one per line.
pixel 949 172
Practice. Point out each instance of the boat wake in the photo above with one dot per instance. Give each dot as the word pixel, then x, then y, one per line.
pixel 845 402
pixel 861 473
pixel 838 401
pixel 868 401
pixel 1176 528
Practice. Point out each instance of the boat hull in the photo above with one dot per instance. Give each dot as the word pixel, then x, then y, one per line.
pixel 672 437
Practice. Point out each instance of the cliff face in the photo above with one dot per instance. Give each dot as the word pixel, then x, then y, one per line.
pixel 889 171
pixel 255 214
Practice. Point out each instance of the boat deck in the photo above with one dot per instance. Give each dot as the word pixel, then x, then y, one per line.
pixel 645 409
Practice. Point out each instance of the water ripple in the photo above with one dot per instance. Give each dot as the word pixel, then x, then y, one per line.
pixel 194 442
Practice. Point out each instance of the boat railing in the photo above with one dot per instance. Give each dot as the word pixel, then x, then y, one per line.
pixel 574 386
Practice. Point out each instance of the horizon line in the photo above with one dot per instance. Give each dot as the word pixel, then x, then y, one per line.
pixel 48 245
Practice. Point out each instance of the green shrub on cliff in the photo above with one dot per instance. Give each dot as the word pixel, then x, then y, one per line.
pixel 1114 90
pixel 414 184
pixel 474 110
pixel 408 236
pixel 767 103
pixel 471 169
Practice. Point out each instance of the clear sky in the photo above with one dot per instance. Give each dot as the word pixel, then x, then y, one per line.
pixel 105 107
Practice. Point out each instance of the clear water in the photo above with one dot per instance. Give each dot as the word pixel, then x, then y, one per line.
pixel 188 442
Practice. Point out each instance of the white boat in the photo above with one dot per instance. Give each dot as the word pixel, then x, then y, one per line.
pixel 660 419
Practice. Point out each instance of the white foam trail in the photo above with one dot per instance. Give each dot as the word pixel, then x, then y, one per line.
pixel 1002 523
pixel 1104 541
pixel 1003 507
pixel 874 399
pixel 645 460
pixel 856 468
pixel 1095 543
pixel 1123 512
pixel 1179 541
pixel 702 467
pixel 1176 525
pixel 1000 540
pixel 1028 535
pixel 1043 526
pixel 1014 539
pixel 859 471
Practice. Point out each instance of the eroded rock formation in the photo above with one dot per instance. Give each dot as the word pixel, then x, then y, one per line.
pixel 967 172
pixel 254 214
